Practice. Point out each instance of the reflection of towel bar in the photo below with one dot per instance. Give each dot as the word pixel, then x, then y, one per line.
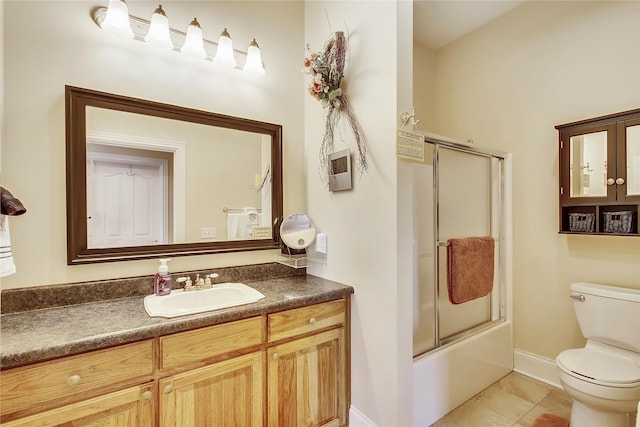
pixel 442 244
pixel 235 210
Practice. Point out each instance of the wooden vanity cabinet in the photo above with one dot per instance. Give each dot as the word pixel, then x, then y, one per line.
pixel 287 368
pixel 307 366
pixel 599 188
pixel 112 384
pixel 303 383
pixel 225 388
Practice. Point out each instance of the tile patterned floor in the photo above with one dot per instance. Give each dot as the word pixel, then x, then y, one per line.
pixel 514 401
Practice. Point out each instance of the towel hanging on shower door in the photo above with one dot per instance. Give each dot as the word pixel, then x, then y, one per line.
pixel 470 268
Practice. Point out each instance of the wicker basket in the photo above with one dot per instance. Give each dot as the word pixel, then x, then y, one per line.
pixel 581 221
pixel 618 222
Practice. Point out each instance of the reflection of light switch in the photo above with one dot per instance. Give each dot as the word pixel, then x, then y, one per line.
pixel 207 232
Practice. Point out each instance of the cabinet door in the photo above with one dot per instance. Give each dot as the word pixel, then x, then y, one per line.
pixel 224 394
pixel 588 160
pixel 628 181
pixel 307 381
pixel 132 407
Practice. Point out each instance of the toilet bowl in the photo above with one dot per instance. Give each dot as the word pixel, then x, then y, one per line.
pixel 603 378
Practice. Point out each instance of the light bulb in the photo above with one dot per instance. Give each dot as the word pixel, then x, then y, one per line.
pixel 158 34
pixel 224 54
pixel 193 43
pixel 254 59
pixel 117 19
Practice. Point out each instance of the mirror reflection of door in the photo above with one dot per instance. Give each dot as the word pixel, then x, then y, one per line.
pixel 220 168
pixel 127 202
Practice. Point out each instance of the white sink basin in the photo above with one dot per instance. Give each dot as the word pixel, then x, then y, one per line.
pixel 180 303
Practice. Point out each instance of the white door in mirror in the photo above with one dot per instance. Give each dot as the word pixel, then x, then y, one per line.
pixel 180 303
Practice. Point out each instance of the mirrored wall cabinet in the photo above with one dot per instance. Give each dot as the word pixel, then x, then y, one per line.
pixel 600 175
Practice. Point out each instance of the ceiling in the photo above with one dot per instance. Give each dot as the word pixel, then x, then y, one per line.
pixel 439 22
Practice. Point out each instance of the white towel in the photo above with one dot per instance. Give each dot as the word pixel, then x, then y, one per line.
pixel 7 267
pixel 237 224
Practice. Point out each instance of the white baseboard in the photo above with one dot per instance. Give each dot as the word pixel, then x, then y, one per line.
pixel 358 419
pixel 537 367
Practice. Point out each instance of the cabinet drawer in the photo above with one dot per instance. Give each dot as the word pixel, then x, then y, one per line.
pixel 193 346
pixel 29 386
pixel 306 319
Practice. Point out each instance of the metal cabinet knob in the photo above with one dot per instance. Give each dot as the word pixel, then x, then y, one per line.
pixel 168 388
pixel 73 380
pixel 275 356
pixel 312 320
pixel 146 396
pixel 611 181
pixel 620 181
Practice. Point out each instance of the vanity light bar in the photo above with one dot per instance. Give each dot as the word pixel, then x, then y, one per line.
pixel 251 61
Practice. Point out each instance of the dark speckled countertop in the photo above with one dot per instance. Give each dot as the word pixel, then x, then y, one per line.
pixel 47 333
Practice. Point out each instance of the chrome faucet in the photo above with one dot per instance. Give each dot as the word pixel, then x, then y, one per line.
pixel 200 283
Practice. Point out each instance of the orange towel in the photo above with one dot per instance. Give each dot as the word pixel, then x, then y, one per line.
pixel 470 268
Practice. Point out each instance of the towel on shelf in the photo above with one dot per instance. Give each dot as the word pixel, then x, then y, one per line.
pixel 7 266
pixel 252 216
pixel 470 267
pixel 9 205
pixel 240 224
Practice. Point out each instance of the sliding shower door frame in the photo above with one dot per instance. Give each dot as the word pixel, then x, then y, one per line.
pixel 496 224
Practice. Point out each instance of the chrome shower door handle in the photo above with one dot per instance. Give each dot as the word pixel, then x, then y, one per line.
pixel 580 298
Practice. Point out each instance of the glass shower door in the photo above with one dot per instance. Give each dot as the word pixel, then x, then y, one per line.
pixel 456 193
pixel 467 207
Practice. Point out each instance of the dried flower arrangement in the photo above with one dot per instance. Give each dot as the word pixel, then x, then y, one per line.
pixel 326 71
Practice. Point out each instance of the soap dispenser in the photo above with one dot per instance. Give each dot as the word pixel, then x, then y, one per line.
pixel 162 280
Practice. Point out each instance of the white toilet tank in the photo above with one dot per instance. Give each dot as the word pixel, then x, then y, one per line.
pixel 608 314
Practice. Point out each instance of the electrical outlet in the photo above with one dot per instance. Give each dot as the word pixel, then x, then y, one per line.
pixel 321 243
pixel 207 232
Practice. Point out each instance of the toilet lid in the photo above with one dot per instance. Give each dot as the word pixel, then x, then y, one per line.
pixel 601 367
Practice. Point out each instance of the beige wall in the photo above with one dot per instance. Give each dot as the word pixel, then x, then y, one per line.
pixel 49 44
pixel 1 82
pixel 506 86
pixel 424 85
pixel 361 224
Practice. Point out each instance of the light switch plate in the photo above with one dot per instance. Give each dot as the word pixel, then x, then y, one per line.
pixel 321 243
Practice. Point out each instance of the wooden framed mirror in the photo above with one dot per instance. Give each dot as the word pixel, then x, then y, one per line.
pixel 146 179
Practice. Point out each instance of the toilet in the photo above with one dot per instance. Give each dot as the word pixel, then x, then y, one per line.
pixel 603 378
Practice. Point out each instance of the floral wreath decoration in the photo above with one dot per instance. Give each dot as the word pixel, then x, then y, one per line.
pixel 326 70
